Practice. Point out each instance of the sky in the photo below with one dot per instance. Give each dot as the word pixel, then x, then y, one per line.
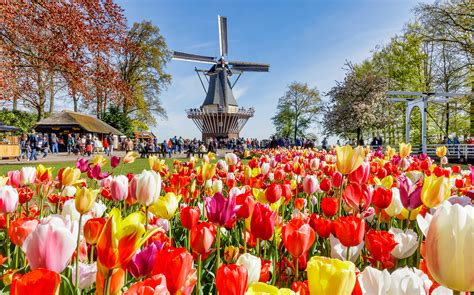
pixel 304 41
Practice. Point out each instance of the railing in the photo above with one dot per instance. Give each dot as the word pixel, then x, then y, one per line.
pixel 455 151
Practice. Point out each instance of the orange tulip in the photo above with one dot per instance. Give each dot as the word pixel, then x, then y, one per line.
pixel 37 282
pixel 116 281
pixel 92 229
pixel 20 229
pixel 43 174
pixel 120 239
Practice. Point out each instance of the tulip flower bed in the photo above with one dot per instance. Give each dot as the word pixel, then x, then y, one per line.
pixel 288 221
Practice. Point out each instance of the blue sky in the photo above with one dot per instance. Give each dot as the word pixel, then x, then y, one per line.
pixel 304 41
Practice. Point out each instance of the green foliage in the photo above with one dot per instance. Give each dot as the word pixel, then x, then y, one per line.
pixel 119 120
pixel 296 110
pixel 23 120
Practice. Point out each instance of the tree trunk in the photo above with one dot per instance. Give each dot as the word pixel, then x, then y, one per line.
pixel 15 102
pixel 41 95
pixel 51 95
pixel 358 135
pixel 74 99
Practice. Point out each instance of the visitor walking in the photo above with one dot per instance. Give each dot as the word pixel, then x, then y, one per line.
pixel 32 143
pixel 69 144
pixel 54 144
pixel 23 147
pixel 44 146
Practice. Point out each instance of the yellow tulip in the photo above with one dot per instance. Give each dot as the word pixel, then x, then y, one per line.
pixel 413 213
pixel 390 152
pixel 405 150
pixel 156 164
pixel 208 171
pixel 166 205
pixel 441 151
pixel 247 172
pixel 265 289
pixel 85 199
pixel 99 160
pixel 231 254
pixel 211 155
pixel 43 174
pixel 330 276
pixel 70 176
pixel 3 180
pixel 349 159
pixel 435 190
pixel 246 154
pixel 130 157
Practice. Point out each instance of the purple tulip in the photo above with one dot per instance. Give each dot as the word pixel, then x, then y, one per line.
pixel 114 161
pixel 142 262
pixel 219 209
pixel 82 164
pixel 410 194
pixel 94 172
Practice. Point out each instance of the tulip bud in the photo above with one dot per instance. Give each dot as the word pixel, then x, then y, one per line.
pixel 70 176
pixel 265 168
pixel 444 160
pixel 310 184
pixel 329 206
pixel 119 187
pixel 230 254
pixel 8 199
pixel 231 159
pixel 148 187
pixel 336 180
pixel 92 230
pixel 27 175
pixel 85 199
pixel 273 193
pixel 217 186
pixel 314 163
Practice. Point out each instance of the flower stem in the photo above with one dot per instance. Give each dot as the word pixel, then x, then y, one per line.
pixel 199 274
pixel 107 283
pixel 146 217
pixel 296 269
pixel 171 232
pixel 77 252
pixel 7 237
pixel 347 253
pixel 41 206
pixel 218 248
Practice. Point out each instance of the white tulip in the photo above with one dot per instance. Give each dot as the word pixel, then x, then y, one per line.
pixel 407 242
pixel 396 205
pixel 87 274
pixel 27 175
pixel 373 281
pixel 69 191
pixel 148 187
pixel 217 186
pixel 253 264
pixel 339 251
pixel 409 281
pixel 264 168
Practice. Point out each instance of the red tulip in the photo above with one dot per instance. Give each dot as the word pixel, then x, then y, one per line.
pixel 273 192
pixel 299 203
pixel 21 228
pixel 325 184
pixel 246 204
pixel 265 270
pixel 189 217
pixel 262 223
pixel 382 197
pixel 92 229
pixel 297 237
pixel 336 179
pixel 361 174
pixel 25 194
pixel 349 230
pixel 202 237
pixel 39 281
pixel 380 244
pixel 177 266
pixel 153 285
pixel 329 206
pixel 357 196
pixel 231 280
pixel 322 226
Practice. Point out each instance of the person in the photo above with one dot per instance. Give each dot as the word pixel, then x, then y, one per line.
pixel 338 142
pixel 324 143
pixel 32 142
pixel 54 144
pixel 110 140
pixel 45 146
pixel 69 144
pixel 23 147
pixel 89 146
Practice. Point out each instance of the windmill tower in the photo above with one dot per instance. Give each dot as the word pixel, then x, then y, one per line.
pixel 219 116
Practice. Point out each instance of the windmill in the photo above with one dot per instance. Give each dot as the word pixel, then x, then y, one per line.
pixel 219 116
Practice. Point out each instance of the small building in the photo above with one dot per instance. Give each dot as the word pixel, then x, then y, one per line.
pixel 9 145
pixel 145 135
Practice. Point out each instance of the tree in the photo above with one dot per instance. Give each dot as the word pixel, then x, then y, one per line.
pixel 296 110
pixel 44 39
pixel 141 67
pixel 23 120
pixel 357 104
pixel 119 120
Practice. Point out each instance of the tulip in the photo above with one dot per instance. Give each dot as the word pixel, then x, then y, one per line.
pixel 342 252
pixel 349 230
pixel 321 225
pixel 336 179
pixel 87 275
pixel 176 264
pixel 219 209
pixel 92 229
pixel 396 205
pixel 130 157
pixel 265 168
pixel 99 160
pixel 297 237
pixel 246 203
pixel 70 211
pixel 120 239
pixel 37 282
pixel 410 193
pixel 27 175
pixel 253 265
pixel 166 205
pixel 51 235
pixel 231 159
pixel 154 285
pixel 382 197
pixel 85 199
pixel 409 281
pixel 21 228
pixel 202 237
pixel 14 178
pixel 189 217
pixel 70 176
pixel 361 174
pixel 262 288
pixel 407 242
pixel 43 174
pixel 231 280
pixel 119 187
pixel 217 186
pixel 357 197
pixel 231 254
pixel 349 159
pixel 449 246
pixel 208 171
pixel 114 161
pixel 310 184
pixel 273 192
pixel 82 164
pixel 405 150
pixel 8 199
pixel 441 151
pixel 330 276
pixel 148 187
pixel 435 190
pixel 380 244
pixel 113 282
pixel 142 262
pixel 262 223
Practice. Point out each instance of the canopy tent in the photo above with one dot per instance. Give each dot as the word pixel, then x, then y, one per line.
pixel 73 122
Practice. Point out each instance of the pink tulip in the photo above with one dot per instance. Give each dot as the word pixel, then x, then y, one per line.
pixel 119 187
pixel 114 161
pixel 148 187
pixel 27 175
pixel 310 184
pixel 50 245
pixel 132 188
pixel 361 174
pixel 14 178
pixel 82 164
pixel 8 199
